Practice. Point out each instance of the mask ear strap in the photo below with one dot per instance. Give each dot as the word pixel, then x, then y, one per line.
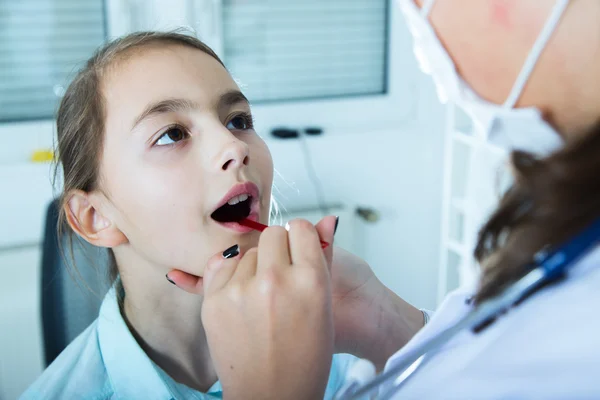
pixel 536 52
pixel 426 9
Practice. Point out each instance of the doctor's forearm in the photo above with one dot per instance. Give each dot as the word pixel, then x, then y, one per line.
pixel 396 323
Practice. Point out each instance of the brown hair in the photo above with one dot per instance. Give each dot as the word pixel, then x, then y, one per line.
pixel 552 199
pixel 81 116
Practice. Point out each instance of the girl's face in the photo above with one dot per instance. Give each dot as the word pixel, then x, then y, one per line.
pixel 178 139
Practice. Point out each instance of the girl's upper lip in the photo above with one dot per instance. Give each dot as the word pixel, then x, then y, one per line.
pixel 248 188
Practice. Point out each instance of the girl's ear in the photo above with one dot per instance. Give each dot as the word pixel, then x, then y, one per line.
pixel 88 222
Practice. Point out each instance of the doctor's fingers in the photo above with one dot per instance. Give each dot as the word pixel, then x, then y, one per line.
pixel 246 268
pixel 186 281
pixel 273 249
pixel 219 270
pixel 305 245
pixel 326 228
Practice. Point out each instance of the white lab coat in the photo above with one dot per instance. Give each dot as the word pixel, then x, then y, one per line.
pixel 546 348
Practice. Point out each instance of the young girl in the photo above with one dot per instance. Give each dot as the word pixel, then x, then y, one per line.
pixel 160 159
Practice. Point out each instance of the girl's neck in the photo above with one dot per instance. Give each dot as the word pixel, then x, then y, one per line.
pixel 166 322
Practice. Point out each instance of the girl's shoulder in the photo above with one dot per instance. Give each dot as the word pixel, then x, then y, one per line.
pixel 78 372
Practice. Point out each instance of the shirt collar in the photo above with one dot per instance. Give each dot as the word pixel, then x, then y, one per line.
pixel 131 372
pixel 181 391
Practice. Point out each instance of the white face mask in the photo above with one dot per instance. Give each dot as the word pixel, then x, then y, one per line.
pixel 503 125
pixel 497 128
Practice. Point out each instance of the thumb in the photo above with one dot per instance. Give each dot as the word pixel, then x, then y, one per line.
pixel 196 284
pixel 326 229
pixel 185 281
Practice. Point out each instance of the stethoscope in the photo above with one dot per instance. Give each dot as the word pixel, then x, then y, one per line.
pixel 549 267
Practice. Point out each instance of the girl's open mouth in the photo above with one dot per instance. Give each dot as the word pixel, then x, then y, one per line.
pixel 236 209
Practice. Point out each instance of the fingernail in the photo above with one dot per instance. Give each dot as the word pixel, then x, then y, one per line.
pixel 232 251
pixel 169 279
pixel 337 220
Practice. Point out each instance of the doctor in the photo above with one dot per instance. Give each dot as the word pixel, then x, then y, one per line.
pixel 527 71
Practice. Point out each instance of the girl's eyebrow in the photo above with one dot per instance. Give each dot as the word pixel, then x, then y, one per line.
pixel 227 99
pixel 165 106
pixel 232 98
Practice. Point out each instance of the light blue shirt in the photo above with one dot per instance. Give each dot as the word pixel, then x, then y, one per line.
pixel 106 362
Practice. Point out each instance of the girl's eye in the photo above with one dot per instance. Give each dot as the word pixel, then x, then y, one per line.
pixel 240 122
pixel 172 135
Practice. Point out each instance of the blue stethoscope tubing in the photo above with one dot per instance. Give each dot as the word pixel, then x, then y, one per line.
pixel 551 266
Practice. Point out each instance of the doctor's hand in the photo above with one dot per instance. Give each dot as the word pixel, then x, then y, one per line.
pixel 268 318
pixel 370 320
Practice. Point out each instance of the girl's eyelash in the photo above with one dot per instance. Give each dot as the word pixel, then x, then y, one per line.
pixel 247 117
pixel 166 131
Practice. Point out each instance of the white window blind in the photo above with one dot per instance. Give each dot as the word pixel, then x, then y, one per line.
pixel 304 49
pixel 42 44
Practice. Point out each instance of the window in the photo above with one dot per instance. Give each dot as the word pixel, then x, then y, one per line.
pixel 295 50
pixel 337 64
pixel 42 44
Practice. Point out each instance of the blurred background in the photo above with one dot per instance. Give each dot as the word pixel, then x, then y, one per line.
pixel 369 140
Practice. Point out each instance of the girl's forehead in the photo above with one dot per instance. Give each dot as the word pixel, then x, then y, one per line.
pixel 165 68
pixel 156 73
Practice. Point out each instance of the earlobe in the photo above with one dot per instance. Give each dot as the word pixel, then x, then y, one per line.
pixel 88 221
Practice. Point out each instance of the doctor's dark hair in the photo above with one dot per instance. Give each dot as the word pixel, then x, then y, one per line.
pixel 552 199
pixel 81 116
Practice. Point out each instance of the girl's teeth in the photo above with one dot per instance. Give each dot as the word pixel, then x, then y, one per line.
pixel 238 199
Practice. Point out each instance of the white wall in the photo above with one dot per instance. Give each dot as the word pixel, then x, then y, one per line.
pixel 398 172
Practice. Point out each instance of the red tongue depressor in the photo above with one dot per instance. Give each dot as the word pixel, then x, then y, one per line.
pixel 260 227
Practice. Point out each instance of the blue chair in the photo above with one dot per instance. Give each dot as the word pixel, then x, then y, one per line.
pixel 73 286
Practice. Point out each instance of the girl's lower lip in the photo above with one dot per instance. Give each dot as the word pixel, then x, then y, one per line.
pixel 234 226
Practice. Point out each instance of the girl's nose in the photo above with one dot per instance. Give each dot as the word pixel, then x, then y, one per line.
pixel 235 154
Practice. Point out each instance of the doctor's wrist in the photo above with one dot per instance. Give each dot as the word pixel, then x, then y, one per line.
pixel 395 324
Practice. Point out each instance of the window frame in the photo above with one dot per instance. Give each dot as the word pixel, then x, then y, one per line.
pixel 395 109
